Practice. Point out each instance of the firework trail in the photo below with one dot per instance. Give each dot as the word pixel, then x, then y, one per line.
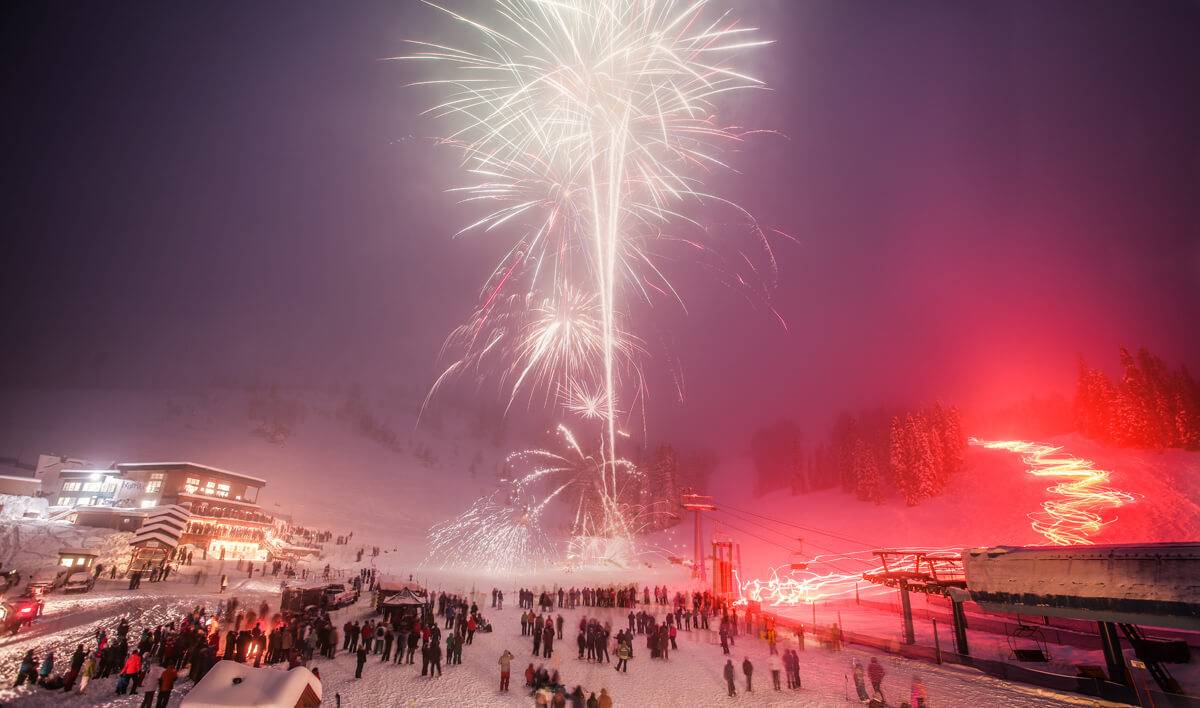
pixel 585 126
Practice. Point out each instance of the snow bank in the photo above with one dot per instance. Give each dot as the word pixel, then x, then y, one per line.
pixel 29 545
pixel 13 506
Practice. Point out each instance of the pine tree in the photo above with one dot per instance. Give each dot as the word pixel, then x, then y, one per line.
pixel 1187 410
pixel 935 455
pixel 908 473
pixel 1132 416
pixel 868 480
pixel 898 457
pixel 664 487
pixel 925 458
pixel 955 442
pixel 842 439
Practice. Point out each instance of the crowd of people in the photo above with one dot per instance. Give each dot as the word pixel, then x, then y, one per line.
pixel 152 660
pixel 439 631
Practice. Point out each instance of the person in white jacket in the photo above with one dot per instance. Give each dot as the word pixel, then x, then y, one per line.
pixel 775 666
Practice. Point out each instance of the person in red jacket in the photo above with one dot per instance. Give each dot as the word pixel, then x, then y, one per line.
pixel 471 627
pixel 133 666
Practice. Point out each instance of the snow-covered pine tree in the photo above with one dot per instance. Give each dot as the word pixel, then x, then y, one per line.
pixel 908 478
pixel 1161 404
pixel 926 460
pixel 868 479
pixel 956 441
pixel 1187 409
pixel 1133 409
pixel 664 487
pixel 842 441
pixel 898 456
pixel 935 454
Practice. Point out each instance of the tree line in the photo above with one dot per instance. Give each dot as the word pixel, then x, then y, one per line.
pixel 873 454
pixel 1150 406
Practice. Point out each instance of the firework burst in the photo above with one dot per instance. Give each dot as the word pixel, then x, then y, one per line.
pixel 497 534
pixel 510 530
pixel 587 127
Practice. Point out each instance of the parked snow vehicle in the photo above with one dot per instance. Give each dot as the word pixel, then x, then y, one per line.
pixel 43 581
pixel 79 581
pixel 300 597
pixel 18 612
pixel 338 596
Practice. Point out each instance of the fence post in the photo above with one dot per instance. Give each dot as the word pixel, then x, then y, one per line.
pixel 937 643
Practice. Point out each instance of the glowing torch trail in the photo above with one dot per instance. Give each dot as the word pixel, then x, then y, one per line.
pixel 1082 489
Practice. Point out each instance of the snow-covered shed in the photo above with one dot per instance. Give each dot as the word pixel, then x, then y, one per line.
pixel 230 684
pixel 77 557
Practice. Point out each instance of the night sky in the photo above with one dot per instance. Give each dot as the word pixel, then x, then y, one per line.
pixel 208 193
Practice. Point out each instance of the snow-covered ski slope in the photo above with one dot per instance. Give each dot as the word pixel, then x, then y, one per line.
pixel 357 461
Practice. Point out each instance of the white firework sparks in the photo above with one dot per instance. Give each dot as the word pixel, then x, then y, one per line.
pixel 586 127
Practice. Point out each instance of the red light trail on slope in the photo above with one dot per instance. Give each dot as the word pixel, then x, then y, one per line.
pixel 1082 491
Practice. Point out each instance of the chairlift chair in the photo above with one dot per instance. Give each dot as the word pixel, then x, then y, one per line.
pixel 796 559
pixel 1027 644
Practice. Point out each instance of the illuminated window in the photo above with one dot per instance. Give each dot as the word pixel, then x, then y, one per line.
pixel 147 503
pixel 68 562
pixel 153 487
pixel 222 490
pixel 92 486
pixel 65 501
pixel 72 486
pixel 191 485
pixel 158 476
pixel 210 487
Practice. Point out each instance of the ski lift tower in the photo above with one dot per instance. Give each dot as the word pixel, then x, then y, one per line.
pixel 698 504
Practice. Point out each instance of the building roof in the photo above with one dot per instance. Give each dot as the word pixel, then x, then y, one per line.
pixel 124 466
pixel 79 552
pixel 20 478
pixel 88 473
pixel 164 524
pixel 404 597
pixel 111 510
pixel 391 583
pixel 229 683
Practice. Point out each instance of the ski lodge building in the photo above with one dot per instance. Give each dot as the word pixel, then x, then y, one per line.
pixel 224 520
